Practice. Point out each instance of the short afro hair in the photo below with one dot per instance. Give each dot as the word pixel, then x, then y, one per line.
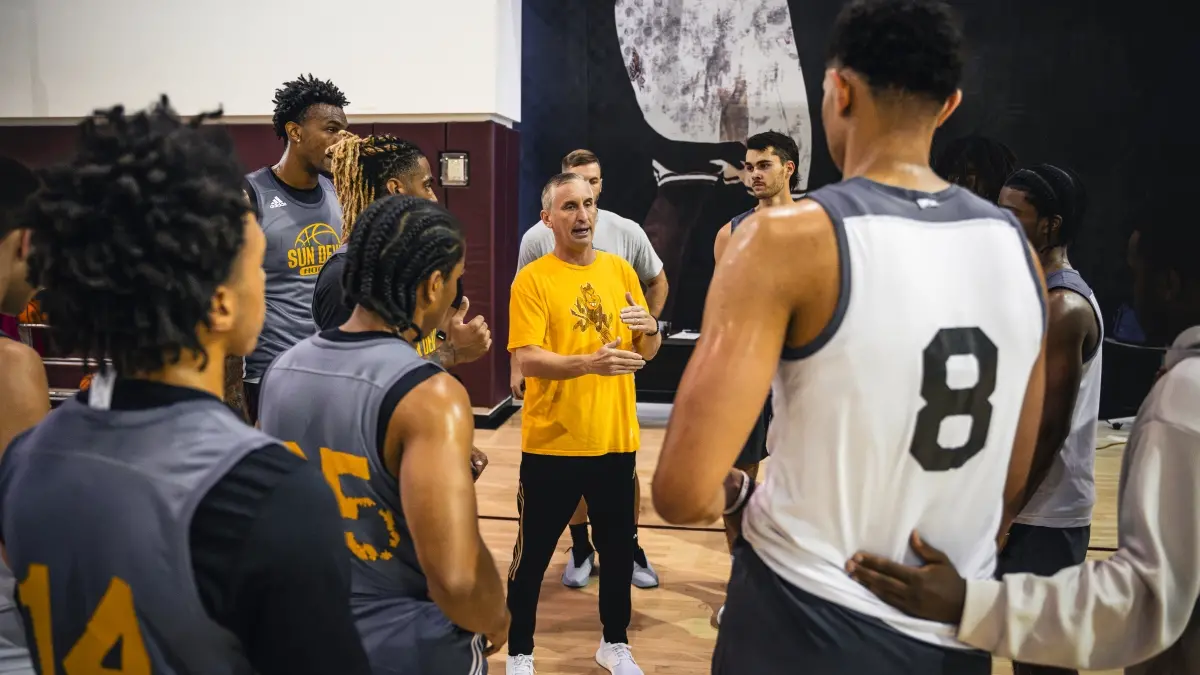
pixel 901 46
pixel 785 148
pixel 293 100
pixel 133 235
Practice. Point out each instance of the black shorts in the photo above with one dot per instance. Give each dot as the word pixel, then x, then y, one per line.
pixel 773 628
pixel 755 449
pixel 251 390
pixel 1042 550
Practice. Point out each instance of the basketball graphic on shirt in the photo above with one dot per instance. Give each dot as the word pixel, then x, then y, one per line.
pixel 313 246
pixel 589 310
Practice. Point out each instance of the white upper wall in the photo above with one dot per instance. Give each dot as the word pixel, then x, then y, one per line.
pixel 393 58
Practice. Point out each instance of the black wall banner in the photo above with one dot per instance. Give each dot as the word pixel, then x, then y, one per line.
pixel 666 92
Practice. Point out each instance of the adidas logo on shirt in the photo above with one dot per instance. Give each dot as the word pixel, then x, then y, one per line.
pixel 276 203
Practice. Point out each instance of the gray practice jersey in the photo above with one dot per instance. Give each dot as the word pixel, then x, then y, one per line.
pixel 325 395
pixel 14 656
pixel 300 238
pixel 96 508
pixel 1066 495
pixel 614 234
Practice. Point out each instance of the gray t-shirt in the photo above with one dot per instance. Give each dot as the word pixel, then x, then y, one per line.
pixel 614 234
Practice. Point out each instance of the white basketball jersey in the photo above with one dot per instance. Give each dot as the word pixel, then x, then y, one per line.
pixel 902 413
pixel 1067 494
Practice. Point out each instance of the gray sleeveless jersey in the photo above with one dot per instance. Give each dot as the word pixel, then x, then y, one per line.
pixel 14 655
pixel 300 238
pixel 325 396
pixel 96 508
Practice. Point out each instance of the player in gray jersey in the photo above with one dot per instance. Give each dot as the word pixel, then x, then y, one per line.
pixel 24 394
pixel 149 529
pixel 1053 528
pixel 392 433
pixel 901 401
pixel 300 217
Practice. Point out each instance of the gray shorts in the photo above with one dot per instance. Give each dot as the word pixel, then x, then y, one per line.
pixel 14 655
pixel 415 638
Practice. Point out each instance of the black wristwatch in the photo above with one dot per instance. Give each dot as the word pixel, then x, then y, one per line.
pixel 657 329
pixel 441 336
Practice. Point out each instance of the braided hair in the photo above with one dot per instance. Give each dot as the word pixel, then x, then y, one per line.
pixel 397 243
pixel 978 163
pixel 1053 191
pixel 133 235
pixel 362 167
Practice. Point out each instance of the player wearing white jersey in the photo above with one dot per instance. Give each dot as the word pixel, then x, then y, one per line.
pixel 1139 608
pixel 909 314
pixel 1053 529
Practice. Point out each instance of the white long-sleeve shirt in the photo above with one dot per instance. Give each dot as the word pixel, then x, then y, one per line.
pixel 1139 606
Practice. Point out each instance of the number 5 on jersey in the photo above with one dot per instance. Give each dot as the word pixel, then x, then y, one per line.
pixel 335 465
pixel 114 622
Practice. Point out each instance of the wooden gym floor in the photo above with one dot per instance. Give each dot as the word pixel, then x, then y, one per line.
pixel 672 631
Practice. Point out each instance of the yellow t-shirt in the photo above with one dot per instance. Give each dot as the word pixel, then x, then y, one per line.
pixel 570 310
pixel 427 344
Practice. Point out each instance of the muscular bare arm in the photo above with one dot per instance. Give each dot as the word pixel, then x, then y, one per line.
pixel 1070 321
pixel 656 294
pixel 1027 431
pixel 25 396
pixel 432 430
pixel 722 241
pixel 756 295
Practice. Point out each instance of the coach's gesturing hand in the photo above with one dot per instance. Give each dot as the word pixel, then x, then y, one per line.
pixel 637 317
pixel 612 360
pixel 934 591
pixel 471 339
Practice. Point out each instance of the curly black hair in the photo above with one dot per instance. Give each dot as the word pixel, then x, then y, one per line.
pixel 978 163
pixel 1053 191
pixel 17 182
pixel 362 167
pixel 901 46
pixel 396 244
pixel 134 234
pixel 785 148
pixel 293 100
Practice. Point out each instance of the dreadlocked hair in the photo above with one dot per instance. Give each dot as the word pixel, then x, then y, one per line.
pixel 294 98
pixel 986 161
pixel 133 235
pixel 362 167
pixel 397 243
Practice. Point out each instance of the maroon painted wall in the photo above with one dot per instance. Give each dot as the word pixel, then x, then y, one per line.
pixel 487 208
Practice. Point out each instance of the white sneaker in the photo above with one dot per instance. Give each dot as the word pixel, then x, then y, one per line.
pixel 644 577
pixel 617 659
pixel 521 664
pixel 577 576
